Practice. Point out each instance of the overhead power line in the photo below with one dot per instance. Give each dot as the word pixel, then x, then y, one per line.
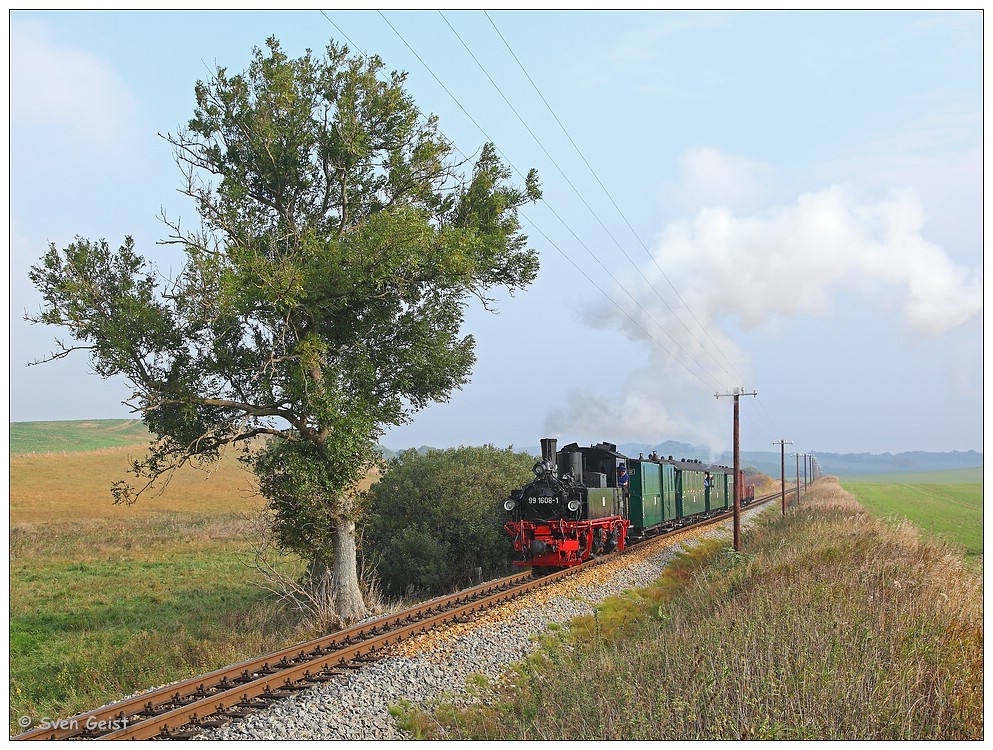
pixel 615 303
pixel 620 212
pixel 565 224
pixel 592 212
pixel 614 203
pixel 585 275
pixel 706 379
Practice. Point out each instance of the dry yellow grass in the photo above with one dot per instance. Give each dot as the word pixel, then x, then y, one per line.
pixel 829 625
pixel 55 486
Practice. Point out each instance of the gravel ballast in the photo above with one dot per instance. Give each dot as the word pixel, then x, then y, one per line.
pixel 355 706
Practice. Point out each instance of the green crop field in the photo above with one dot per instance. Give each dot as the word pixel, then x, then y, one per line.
pixel 71 436
pixel 953 512
pixel 972 475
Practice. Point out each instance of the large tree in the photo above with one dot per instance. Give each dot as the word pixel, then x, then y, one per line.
pixel 322 294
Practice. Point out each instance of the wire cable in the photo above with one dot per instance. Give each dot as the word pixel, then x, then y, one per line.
pixel 557 216
pixel 618 209
pixel 585 202
pixel 616 304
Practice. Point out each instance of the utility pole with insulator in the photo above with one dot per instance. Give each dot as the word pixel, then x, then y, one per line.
pixel 782 468
pixel 737 392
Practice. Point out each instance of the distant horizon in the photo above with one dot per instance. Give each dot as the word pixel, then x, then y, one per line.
pixel 534 443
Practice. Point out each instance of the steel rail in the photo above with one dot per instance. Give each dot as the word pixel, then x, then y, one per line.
pixel 150 703
pixel 236 690
pixel 288 680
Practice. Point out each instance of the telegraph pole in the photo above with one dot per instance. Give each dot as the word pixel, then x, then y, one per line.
pixel 782 469
pixel 797 480
pixel 737 392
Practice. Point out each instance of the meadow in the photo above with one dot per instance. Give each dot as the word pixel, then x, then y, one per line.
pixel 950 511
pixel 95 609
pixel 829 625
pixel 75 435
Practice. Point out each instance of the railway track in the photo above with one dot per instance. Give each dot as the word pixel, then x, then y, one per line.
pixel 183 709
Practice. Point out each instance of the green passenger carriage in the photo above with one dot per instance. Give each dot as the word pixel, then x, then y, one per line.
pixel 578 505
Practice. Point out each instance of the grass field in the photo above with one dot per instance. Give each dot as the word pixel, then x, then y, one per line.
pixel 972 475
pixel 78 435
pixel 45 487
pixel 95 613
pixel 952 512
pixel 95 610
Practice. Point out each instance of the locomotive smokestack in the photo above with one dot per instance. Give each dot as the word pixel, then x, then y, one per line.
pixel 548 446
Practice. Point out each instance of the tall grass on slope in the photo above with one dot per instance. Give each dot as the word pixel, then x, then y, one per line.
pixel 831 625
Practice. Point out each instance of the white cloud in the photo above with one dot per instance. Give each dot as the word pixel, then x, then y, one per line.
pixel 54 83
pixel 941 158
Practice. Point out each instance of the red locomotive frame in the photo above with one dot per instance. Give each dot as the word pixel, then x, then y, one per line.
pixel 564 544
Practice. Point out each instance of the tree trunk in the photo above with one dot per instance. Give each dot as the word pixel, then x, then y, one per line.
pixel 349 603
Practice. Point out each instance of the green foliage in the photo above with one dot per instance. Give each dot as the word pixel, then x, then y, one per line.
pixel 434 518
pixel 323 297
pixel 416 560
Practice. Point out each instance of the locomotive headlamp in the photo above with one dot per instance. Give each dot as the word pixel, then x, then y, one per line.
pixel 509 505
pixel 573 506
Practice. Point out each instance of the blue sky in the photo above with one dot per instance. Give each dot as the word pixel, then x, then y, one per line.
pixel 800 209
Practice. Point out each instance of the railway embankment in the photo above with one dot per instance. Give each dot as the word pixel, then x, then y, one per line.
pixel 459 664
pixel 830 624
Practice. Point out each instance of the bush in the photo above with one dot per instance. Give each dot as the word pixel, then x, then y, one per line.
pixel 436 520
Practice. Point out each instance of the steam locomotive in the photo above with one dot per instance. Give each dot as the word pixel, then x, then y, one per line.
pixel 584 502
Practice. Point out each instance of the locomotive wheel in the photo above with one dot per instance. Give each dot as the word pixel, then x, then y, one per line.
pixel 619 531
pixel 599 538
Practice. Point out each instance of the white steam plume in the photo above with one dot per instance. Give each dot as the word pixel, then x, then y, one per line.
pixel 756 269
pixel 796 259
